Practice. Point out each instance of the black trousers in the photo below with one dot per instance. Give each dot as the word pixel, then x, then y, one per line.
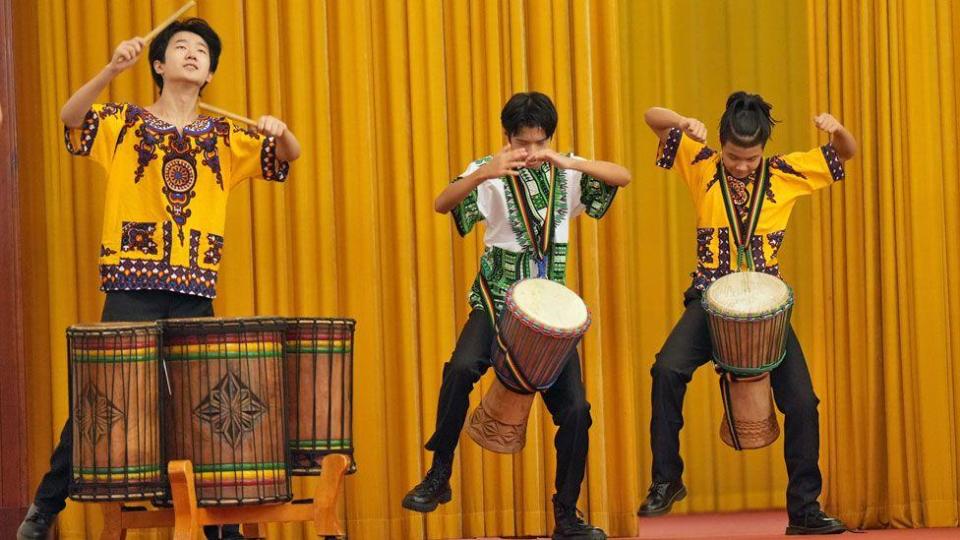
pixel 128 306
pixel 687 348
pixel 566 400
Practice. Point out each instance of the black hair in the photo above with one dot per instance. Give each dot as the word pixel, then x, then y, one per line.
pixel 195 25
pixel 529 110
pixel 746 122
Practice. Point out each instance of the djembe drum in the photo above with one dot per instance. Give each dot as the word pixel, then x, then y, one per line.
pixel 113 400
pixel 226 411
pixel 748 314
pixel 319 369
pixel 541 323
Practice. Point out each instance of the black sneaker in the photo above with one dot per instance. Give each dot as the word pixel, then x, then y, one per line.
pixel 815 522
pixel 36 524
pixel 433 491
pixel 571 526
pixel 660 498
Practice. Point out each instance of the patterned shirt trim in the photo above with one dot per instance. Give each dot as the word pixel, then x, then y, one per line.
pixel 516 220
pixel 834 162
pixel 273 169
pixel 667 152
pixel 770 195
pixel 88 130
pixel 466 214
pixel 596 196
pixel 133 275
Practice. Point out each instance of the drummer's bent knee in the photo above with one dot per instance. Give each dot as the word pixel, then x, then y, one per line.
pixel 664 369
pixel 800 405
pixel 577 413
pixel 463 369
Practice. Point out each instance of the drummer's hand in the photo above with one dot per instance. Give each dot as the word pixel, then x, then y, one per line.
pixel 271 126
pixel 559 160
pixel 826 122
pixel 126 54
pixel 504 163
pixel 694 129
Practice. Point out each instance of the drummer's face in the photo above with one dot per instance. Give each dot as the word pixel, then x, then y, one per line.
pixel 739 161
pixel 531 139
pixel 187 59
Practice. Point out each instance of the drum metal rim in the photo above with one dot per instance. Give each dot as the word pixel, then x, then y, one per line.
pixel 111 328
pixel 216 325
pixel 344 321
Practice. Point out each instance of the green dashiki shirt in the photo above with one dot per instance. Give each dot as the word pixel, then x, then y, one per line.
pixel 514 211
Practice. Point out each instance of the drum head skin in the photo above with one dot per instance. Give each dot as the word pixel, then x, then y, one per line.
pixel 550 304
pixel 747 295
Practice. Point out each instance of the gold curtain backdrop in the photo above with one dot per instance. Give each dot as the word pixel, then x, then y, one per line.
pixel 888 275
pixel 391 98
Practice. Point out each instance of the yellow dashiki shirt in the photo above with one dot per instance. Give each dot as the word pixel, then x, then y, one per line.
pixel 785 178
pixel 516 213
pixel 166 196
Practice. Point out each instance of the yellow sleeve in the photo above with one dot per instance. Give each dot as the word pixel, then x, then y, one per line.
pixel 688 157
pixel 254 156
pixel 811 170
pixel 99 135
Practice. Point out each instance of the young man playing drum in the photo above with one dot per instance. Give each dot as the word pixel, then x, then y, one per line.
pixel 508 191
pixel 170 172
pixel 744 130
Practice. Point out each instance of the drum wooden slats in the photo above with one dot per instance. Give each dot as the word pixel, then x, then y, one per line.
pixel 113 394
pixel 749 346
pixel 540 356
pixel 226 412
pixel 319 374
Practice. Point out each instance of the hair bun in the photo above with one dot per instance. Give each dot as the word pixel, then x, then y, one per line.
pixel 746 120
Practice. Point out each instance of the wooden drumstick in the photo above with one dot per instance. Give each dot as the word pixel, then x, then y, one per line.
pixel 228 114
pixel 159 28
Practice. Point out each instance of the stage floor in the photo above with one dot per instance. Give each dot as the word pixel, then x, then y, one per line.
pixel 752 526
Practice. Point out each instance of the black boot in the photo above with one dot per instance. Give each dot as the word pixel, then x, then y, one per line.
pixel 36 524
pixel 660 498
pixel 571 526
pixel 434 490
pixel 222 532
pixel 815 522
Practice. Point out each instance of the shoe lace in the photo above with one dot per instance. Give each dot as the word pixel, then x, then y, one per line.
pixel 659 489
pixel 570 514
pixel 436 477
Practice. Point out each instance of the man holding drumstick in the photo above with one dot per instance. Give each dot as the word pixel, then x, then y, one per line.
pixel 170 172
